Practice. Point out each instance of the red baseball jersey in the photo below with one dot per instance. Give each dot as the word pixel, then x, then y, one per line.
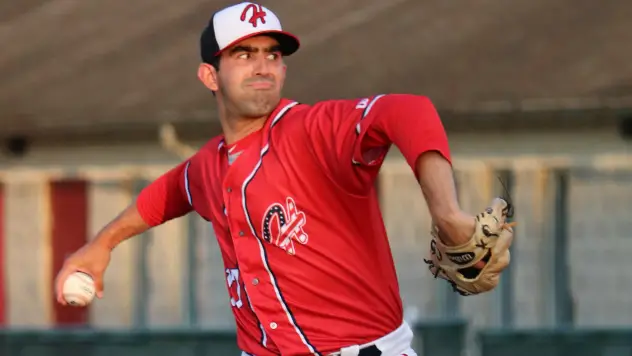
pixel 296 214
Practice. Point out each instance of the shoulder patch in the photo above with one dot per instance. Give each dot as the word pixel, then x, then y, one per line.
pixel 362 104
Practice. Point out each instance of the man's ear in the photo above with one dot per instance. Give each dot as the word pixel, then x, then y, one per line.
pixel 208 76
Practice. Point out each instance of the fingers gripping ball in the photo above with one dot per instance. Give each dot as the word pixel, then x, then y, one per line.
pixel 79 289
pixel 475 266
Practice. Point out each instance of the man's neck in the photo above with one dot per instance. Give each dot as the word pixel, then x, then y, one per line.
pixel 236 127
pixel 235 131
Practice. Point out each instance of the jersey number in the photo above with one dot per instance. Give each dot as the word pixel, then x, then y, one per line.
pixel 234 287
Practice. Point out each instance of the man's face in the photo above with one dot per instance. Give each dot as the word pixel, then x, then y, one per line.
pixel 250 77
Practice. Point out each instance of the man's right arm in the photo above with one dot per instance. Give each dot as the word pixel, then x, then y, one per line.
pixel 162 200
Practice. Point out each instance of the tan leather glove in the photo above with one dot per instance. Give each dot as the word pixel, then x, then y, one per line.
pixel 490 243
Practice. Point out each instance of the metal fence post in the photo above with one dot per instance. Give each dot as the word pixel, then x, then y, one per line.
pixel 141 273
pixel 191 275
pixel 562 290
pixel 450 306
pixel 505 292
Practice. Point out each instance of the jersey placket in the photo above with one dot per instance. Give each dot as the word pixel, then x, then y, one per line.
pixel 259 272
pixel 245 240
pixel 246 245
pixel 231 211
pixel 260 282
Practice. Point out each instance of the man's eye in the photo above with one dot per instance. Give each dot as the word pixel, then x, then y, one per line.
pixel 273 56
pixel 243 56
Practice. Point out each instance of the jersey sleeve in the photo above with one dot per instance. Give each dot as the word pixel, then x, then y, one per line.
pixel 166 198
pixel 352 137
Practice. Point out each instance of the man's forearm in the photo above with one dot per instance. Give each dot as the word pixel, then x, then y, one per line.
pixel 159 202
pixel 126 225
pixel 437 183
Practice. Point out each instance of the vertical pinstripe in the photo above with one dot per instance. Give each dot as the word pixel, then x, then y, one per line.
pixel 2 259
pixel 69 206
pixel 365 113
pixel 106 199
pixel 28 258
pixel 186 183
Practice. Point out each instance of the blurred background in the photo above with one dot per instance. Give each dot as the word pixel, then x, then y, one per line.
pixel 97 98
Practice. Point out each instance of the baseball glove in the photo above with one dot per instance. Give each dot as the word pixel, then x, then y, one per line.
pixel 489 243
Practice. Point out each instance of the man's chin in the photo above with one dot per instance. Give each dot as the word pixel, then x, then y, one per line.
pixel 261 108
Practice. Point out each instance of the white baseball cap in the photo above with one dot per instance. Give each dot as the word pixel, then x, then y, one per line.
pixel 236 23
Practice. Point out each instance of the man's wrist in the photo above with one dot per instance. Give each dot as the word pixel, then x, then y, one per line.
pixel 455 227
pixel 445 213
pixel 104 242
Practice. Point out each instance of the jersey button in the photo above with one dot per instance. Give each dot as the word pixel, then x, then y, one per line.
pixel 255 281
pixel 273 325
pixel 241 233
pixel 229 189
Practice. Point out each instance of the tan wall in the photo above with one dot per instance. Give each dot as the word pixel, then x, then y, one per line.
pixel 27 252
pixel 598 250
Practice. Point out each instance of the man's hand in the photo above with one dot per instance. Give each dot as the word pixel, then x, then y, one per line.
pixel 453 226
pixel 457 230
pixel 93 258
pixel 473 266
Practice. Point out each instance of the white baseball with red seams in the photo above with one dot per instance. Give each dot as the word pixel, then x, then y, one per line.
pixel 79 289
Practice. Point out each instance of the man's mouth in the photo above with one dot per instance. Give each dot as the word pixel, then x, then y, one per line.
pixel 261 84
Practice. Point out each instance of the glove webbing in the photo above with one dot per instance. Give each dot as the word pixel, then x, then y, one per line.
pixel 438 270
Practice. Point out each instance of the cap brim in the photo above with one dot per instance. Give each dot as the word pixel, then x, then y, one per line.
pixel 288 42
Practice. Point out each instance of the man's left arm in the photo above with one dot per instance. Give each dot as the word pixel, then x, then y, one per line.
pixel 350 139
pixel 412 124
pixel 468 251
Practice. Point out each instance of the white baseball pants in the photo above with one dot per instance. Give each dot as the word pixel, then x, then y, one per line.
pixel 397 343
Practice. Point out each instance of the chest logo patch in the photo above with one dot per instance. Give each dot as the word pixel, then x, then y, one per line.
pixel 282 225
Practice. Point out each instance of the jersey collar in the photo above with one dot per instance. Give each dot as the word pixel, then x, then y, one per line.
pixel 222 147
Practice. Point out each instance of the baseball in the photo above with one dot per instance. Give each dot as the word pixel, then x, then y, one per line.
pixel 79 289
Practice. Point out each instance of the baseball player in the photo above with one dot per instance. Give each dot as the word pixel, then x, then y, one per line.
pixel 289 190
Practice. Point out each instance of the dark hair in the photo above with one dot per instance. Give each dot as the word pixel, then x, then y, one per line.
pixel 214 62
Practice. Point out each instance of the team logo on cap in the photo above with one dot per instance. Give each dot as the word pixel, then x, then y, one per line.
pixel 282 225
pixel 257 14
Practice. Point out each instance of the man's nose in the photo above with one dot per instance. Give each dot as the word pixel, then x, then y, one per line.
pixel 262 66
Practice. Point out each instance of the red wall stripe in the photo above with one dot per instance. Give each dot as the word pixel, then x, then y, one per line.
pixel 69 205
pixel 3 261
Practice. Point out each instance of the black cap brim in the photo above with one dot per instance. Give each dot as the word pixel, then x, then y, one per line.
pixel 289 43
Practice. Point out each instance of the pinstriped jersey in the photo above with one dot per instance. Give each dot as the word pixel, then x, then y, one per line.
pixel 296 214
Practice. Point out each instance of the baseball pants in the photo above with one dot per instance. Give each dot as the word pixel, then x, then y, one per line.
pixel 397 343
